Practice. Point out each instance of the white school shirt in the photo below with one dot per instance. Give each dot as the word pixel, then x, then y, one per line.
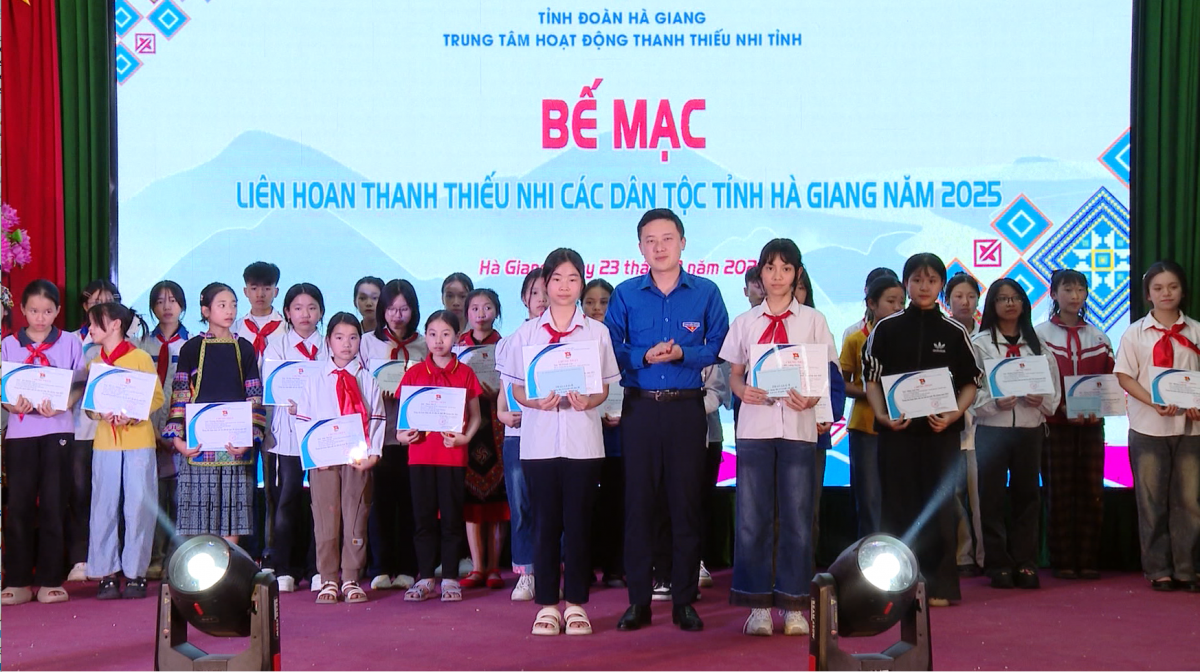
pixel 967 437
pixel 151 344
pixel 986 412
pixel 716 394
pixel 804 325
pixel 373 347
pixel 857 326
pixel 85 427
pixel 282 439
pixel 502 400
pixel 1135 356
pixel 564 432
pixel 240 329
pixel 319 401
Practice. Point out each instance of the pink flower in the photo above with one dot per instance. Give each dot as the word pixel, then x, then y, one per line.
pixel 15 250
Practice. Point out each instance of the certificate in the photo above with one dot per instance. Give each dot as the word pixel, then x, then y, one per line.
pixel 780 368
pixel 388 373
pixel 332 442
pixel 115 390
pixel 510 399
pixel 1018 376
pixel 432 409
pixel 616 398
pixel 210 427
pixel 37 384
pixel 920 393
pixel 1098 395
pixel 562 368
pixel 1174 387
pixel 482 360
pixel 284 380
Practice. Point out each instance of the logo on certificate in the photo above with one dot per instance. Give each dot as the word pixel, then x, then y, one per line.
pixel 921 381
pixel 691 326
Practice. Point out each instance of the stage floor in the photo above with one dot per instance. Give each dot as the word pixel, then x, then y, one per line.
pixel 1114 623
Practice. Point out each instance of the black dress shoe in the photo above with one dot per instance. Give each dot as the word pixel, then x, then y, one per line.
pixel 685 616
pixel 634 618
pixel 1163 585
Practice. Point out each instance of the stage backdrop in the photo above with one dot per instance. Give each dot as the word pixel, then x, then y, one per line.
pixel 412 139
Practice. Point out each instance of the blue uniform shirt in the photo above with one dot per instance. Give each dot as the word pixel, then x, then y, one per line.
pixel 640 316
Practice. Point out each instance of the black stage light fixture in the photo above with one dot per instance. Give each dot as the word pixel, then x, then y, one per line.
pixel 872 585
pixel 217 587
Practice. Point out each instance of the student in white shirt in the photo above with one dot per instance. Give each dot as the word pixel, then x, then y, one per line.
pixel 962 297
pixel 303 309
pixel 562 447
pixel 1009 433
pixel 263 323
pixel 341 495
pixel 1164 441
pixel 776 445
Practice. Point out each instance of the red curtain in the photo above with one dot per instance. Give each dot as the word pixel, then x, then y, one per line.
pixel 31 164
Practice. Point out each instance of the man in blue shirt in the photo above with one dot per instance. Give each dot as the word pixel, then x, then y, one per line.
pixel 666 326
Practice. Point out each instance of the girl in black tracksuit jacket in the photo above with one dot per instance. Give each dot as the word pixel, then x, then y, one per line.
pixel 919 458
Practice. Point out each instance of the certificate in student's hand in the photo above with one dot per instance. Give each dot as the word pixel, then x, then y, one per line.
pixel 1018 376
pixel 111 389
pixel 211 427
pixel 616 399
pixel 920 393
pixel 432 409
pixel 1098 395
pixel 388 372
pixel 482 360
pixel 1174 387
pixel 562 368
pixel 37 384
pixel 283 381
pixel 332 442
pixel 782 367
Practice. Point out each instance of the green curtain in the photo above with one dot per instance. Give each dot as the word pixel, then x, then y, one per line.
pixel 1165 189
pixel 85 53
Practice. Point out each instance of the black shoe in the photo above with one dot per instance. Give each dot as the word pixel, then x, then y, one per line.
pixel 1190 586
pixel 110 588
pixel 685 616
pixel 969 571
pixel 135 589
pixel 1027 577
pixel 1089 574
pixel 1163 585
pixel 1068 574
pixel 634 618
pixel 1002 578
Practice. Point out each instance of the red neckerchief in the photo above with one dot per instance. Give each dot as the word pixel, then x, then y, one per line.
pixel 164 355
pixel 1164 350
pixel 310 356
pixel 776 331
pixel 261 334
pixel 111 359
pixel 556 336
pixel 866 329
pixel 399 345
pixel 37 351
pixel 350 401
pixel 1072 334
pixel 469 338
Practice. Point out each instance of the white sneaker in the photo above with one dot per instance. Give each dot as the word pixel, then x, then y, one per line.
pixel 661 592
pixel 78 572
pixel 315 586
pixel 759 623
pixel 524 590
pixel 403 582
pixel 286 584
pixel 381 582
pixel 795 623
pixel 706 580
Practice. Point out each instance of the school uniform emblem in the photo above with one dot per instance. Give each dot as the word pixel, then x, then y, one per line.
pixel 691 326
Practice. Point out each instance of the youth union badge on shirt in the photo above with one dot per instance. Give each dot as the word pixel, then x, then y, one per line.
pixel 691 326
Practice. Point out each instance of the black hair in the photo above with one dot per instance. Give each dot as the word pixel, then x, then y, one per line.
pixel 489 294
pixel 875 290
pixel 786 250
pixel 659 213
pixel 527 284
pixel 99 285
pixel 446 316
pixel 805 281
pixel 458 277
pixel 598 282
pixel 1165 266
pixel 924 261
pixel 210 292
pixel 882 271
pixel 341 317
pixel 958 279
pixel 389 293
pixel 41 287
pixel 261 273
pixel 1024 322
pixel 367 280
pixel 559 257
pixel 116 311
pixel 302 289
pixel 753 274
pixel 172 288
pixel 1067 276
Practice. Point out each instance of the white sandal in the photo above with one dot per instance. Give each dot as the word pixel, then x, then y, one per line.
pixel 548 622
pixel 420 592
pixel 577 622
pixel 353 592
pixel 13 596
pixel 451 591
pixel 329 593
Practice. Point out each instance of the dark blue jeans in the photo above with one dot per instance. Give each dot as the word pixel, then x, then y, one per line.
pixel 864 480
pixel 771 473
pixel 520 510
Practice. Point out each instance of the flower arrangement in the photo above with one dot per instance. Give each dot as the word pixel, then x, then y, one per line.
pixel 15 252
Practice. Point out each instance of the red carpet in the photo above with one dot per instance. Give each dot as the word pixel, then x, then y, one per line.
pixel 1115 623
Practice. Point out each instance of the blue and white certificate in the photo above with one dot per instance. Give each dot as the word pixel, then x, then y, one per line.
pixel 616 399
pixel 119 391
pixel 333 442
pixel 1018 376
pixel 388 373
pixel 37 384
pixel 1174 387
pixel 210 427
pixel 919 394
pixel 1098 395
pixel 482 360
pixel 432 409
pixel 777 369
pixel 561 368
pixel 283 381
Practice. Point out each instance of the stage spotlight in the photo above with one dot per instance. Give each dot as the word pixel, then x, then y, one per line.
pixel 872 585
pixel 217 587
